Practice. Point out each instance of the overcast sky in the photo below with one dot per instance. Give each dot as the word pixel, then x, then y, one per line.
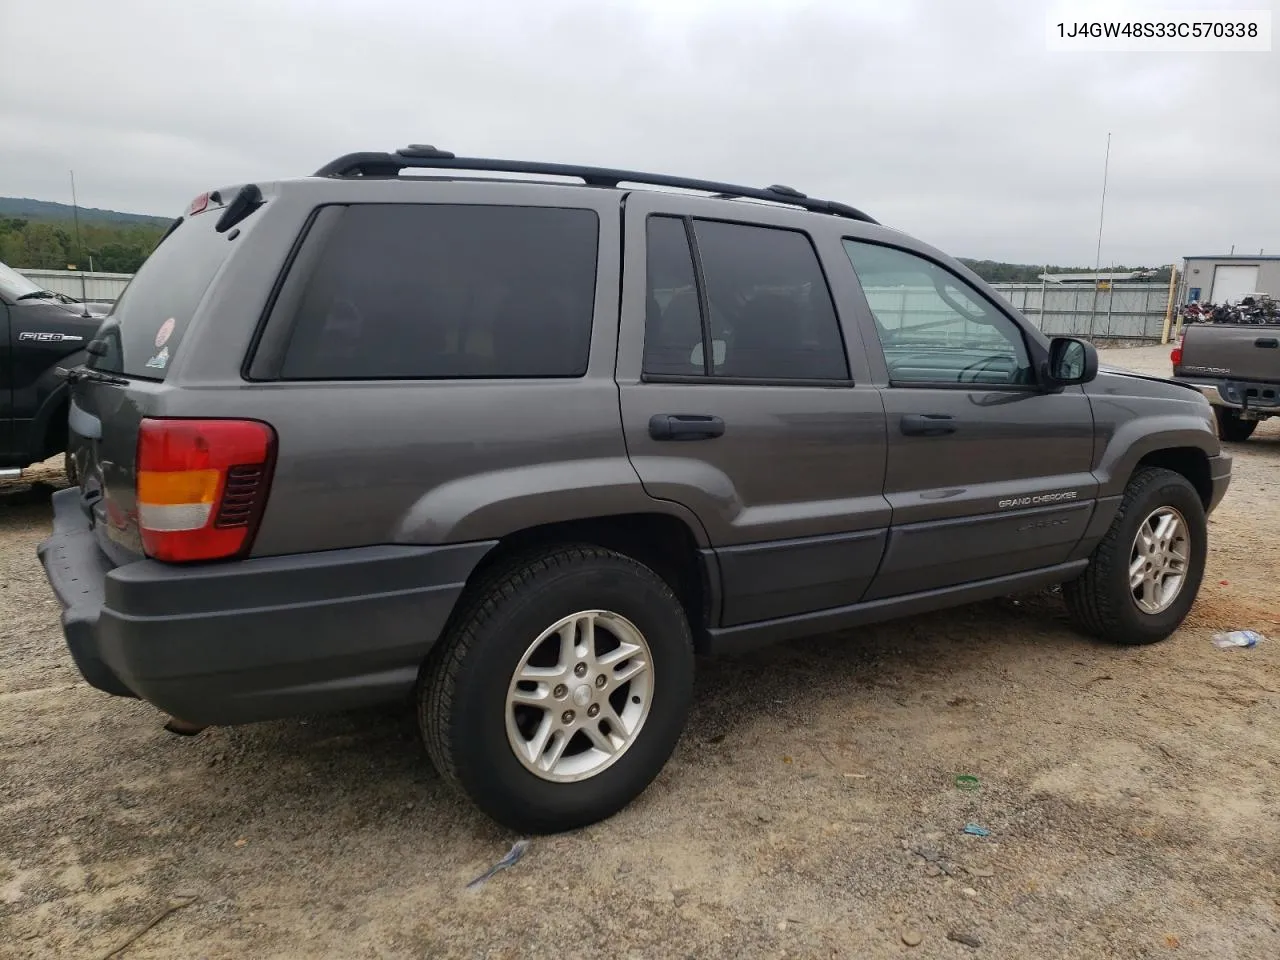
pixel 946 118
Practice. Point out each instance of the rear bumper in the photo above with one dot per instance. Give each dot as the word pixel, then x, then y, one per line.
pixel 255 639
pixel 1256 396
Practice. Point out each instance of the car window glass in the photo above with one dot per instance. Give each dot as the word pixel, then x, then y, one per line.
pixel 673 323
pixel 449 291
pixel 771 311
pixel 145 328
pixel 933 326
pixel 771 315
pixel 14 285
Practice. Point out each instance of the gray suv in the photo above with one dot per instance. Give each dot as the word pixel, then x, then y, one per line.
pixel 519 448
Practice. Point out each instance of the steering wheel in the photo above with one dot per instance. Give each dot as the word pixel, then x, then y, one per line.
pixel 977 367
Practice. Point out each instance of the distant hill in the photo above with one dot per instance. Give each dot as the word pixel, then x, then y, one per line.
pixel 46 211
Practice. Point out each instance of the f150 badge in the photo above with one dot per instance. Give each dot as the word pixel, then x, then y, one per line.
pixel 1037 499
pixel 48 337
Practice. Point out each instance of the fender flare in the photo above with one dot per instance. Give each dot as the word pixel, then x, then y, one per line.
pixel 489 506
pixel 1143 436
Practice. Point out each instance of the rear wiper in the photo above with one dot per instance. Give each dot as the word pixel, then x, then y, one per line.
pixel 78 374
pixel 38 295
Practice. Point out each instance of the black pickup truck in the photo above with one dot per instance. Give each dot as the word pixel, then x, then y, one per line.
pixel 40 331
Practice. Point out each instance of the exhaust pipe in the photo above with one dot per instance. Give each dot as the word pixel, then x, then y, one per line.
pixel 182 728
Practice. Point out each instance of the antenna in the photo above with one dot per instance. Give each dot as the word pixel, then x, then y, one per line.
pixel 75 212
pixel 1106 163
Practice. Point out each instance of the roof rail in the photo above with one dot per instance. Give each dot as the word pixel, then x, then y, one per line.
pixel 423 156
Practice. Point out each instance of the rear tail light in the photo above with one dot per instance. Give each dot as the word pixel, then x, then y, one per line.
pixel 202 485
pixel 1175 355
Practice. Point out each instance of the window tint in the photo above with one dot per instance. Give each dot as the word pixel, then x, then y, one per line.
pixel 935 327
pixel 673 323
pixel 148 322
pixel 771 312
pixel 444 291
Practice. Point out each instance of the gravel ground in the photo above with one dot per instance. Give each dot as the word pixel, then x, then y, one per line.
pixel 809 811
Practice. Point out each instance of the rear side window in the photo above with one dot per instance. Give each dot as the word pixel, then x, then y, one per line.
pixel 145 328
pixel 427 291
pixel 768 311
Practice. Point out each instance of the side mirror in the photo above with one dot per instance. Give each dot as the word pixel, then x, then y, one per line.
pixel 1071 361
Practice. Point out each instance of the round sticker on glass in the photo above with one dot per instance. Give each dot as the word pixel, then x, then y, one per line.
pixel 165 332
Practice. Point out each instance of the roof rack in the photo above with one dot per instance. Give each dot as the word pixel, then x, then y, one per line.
pixel 371 164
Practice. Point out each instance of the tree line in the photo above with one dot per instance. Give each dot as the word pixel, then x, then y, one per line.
pixel 39 245
pixel 121 248
pixel 995 271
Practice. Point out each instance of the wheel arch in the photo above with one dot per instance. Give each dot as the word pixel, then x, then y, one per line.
pixel 662 541
pixel 1189 462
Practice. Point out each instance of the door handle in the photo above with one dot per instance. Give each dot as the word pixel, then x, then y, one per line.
pixel 1271 342
pixel 685 426
pixel 927 425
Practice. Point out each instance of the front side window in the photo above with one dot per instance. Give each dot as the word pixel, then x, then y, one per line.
pixel 933 326
pixel 432 291
pixel 769 313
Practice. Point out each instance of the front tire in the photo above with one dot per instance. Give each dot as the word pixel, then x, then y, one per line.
pixel 1232 427
pixel 560 690
pixel 1144 575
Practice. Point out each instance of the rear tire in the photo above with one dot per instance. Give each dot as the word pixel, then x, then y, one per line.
pixel 1232 427
pixel 1105 600
pixel 475 710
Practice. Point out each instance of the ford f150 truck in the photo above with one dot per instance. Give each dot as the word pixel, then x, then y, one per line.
pixel 40 331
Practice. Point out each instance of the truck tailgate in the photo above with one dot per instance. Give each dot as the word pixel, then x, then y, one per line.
pixel 1243 352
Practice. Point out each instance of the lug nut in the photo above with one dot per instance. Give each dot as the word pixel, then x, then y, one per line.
pixel 580 670
pixel 601 681
pixel 593 710
pixel 560 692
pixel 566 717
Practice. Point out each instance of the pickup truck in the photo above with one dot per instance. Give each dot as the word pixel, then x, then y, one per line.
pixel 1237 367
pixel 40 331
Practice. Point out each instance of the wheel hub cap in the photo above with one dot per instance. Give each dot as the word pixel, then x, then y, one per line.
pixel 579 696
pixel 1159 560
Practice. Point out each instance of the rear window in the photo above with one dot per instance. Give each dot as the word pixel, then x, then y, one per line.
pixel 427 291
pixel 145 328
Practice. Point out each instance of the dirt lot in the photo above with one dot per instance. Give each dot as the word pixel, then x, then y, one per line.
pixel 1131 797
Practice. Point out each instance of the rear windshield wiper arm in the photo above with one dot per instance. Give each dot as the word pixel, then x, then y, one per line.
pixel 77 374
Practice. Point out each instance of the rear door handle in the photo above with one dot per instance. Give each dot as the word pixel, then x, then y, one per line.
pixel 685 426
pixel 1271 342
pixel 927 425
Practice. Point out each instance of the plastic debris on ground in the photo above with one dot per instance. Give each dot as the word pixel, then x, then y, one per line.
pixel 1237 638
pixel 976 831
pixel 510 860
pixel 966 782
